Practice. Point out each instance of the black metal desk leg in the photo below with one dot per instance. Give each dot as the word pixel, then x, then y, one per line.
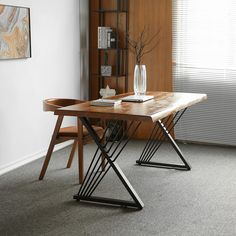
pixel 94 175
pixel 162 131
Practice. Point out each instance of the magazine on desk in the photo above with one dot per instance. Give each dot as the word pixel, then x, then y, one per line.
pixel 137 98
pixel 105 102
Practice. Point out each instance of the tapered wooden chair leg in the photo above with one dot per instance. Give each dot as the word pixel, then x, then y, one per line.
pixel 51 147
pixel 46 161
pixel 80 151
pixel 72 153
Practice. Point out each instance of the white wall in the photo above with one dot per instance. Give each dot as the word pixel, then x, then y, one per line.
pixel 53 71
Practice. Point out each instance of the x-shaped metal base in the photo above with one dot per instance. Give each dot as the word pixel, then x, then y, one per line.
pixel 162 131
pixel 110 151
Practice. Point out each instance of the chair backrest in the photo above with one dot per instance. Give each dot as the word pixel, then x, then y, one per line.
pixel 54 103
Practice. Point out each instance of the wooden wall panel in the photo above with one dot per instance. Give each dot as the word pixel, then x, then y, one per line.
pixel 155 14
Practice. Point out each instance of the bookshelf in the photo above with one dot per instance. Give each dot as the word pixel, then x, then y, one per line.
pixel 108 46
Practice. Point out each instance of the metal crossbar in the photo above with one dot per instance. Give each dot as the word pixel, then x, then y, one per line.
pixel 95 170
pixel 110 152
pixel 156 141
pixel 161 132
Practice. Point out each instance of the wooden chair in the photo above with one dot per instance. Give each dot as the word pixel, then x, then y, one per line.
pixel 77 133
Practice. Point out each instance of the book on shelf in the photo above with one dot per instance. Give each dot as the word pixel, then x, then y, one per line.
pixel 102 36
pixel 106 37
pixel 137 98
pixel 105 102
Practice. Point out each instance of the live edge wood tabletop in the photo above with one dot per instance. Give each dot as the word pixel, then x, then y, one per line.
pixel 162 105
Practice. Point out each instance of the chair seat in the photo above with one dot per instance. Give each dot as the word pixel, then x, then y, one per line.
pixel 72 131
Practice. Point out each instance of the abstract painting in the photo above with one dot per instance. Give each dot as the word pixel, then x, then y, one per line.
pixel 14 32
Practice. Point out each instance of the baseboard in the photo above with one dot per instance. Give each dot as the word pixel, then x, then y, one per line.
pixel 27 159
pixel 205 143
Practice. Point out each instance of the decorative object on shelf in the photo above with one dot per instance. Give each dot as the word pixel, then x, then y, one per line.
pixel 106 70
pixel 14 32
pixel 111 39
pixel 107 92
pixel 140 46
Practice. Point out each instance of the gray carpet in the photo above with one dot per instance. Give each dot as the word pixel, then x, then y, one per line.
pixel 198 202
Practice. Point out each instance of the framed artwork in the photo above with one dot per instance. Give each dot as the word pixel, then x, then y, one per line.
pixel 15 35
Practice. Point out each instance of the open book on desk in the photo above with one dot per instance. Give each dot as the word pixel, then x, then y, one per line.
pixel 137 98
pixel 105 102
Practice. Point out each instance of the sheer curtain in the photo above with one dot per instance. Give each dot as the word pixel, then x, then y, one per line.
pixel 204 55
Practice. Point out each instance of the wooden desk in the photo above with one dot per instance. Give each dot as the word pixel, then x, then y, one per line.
pixel 165 110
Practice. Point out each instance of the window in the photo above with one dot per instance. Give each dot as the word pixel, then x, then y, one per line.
pixel 204 52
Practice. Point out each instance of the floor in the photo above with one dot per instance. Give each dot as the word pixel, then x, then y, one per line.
pixel 197 202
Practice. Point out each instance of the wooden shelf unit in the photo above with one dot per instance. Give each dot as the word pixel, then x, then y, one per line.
pixel 114 14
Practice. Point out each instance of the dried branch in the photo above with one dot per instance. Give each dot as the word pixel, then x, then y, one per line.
pixel 148 51
pixel 143 44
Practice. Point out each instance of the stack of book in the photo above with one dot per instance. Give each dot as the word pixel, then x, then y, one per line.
pixel 105 102
pixel 137 98
pixel 106 38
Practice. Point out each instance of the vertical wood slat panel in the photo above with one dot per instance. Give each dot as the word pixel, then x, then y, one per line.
pixel 157 15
